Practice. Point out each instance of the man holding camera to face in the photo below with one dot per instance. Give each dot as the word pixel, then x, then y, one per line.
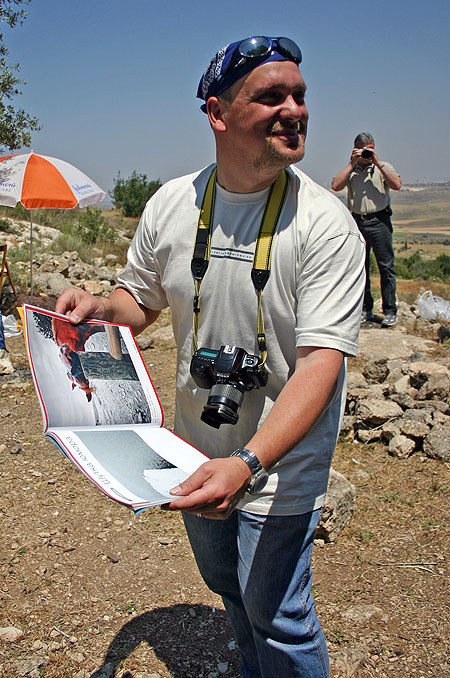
pixel 263 271
pixel 368 180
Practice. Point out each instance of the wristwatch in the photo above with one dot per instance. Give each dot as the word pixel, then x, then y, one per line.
pixel 259 477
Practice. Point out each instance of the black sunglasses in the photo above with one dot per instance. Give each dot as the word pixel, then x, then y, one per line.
pixel 260 46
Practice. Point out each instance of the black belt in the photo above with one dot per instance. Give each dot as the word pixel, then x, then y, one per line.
pixel 370 215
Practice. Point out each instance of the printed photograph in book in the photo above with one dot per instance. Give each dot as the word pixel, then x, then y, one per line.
pixel 101 409
pixel 85 373
pixel 132 460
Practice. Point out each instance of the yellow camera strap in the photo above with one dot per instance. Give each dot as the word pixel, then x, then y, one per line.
pixel 261 260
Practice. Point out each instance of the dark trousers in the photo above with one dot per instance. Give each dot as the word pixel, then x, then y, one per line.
pixel 377 232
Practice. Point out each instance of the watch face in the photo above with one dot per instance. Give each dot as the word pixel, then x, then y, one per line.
pixel 258 483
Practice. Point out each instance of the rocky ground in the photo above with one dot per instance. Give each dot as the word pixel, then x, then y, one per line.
pixel 90 590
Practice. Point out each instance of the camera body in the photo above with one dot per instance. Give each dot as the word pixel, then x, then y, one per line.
pixel 228 373
pixel 366 153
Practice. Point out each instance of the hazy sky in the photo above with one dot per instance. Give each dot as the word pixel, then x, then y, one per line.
pixel 113 83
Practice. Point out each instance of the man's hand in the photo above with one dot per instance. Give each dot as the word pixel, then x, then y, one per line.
pixel 119 307
pixel 214 489
pixel 375 159
pixel 355 156
pixel 78 305
pixel 340 180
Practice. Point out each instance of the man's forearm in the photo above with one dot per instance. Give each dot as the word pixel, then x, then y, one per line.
pixel 122 307
pixel 340 180
pixel 299 405
pixel 392 180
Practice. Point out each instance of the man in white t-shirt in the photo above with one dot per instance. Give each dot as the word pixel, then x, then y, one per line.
pixel 251 512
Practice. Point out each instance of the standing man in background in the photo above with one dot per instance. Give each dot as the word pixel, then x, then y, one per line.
pixel 251 511
pixel 368 180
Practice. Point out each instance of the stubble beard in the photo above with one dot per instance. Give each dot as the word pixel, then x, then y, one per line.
pixel 277 158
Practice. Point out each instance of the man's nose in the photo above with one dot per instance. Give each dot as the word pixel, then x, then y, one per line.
pixel 292 109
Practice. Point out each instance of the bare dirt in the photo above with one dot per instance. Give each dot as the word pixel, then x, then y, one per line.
pixel 99 591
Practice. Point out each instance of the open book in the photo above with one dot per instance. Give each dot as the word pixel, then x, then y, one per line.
pixel 100 408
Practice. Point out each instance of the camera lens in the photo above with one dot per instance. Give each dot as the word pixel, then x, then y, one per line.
pixel 223 404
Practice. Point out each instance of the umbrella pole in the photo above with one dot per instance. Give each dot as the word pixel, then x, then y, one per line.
pixel 31 252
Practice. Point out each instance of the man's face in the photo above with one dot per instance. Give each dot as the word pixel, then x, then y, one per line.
pixel 267 119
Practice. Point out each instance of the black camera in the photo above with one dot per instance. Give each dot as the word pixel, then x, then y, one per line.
pixel 366 153
pixel 228 373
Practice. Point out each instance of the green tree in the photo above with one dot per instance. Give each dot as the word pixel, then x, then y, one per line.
pixel 130 195
pixel 15 124
pixel 92 227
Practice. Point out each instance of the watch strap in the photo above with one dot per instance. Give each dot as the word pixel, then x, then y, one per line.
pixel 250 459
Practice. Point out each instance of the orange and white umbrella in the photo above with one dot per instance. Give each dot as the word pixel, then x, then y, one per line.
pixel 42 181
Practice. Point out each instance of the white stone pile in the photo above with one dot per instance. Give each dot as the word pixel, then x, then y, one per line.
pixel 404 404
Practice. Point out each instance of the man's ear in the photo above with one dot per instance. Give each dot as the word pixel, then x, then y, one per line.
pixel 215 109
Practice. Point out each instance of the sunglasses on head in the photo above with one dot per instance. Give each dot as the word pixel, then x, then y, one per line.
pixel 260 46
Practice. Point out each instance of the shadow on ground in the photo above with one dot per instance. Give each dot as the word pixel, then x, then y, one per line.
pixel 191 641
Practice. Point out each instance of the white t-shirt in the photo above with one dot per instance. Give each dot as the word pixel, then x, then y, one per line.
pixel 313 298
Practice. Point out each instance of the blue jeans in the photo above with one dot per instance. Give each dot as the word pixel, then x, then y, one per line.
pixel 2 333
pixel 377 232
pixel 261 566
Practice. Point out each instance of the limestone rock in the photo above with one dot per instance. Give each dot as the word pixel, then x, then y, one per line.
pixel 347 427
pixel 402 447
pixel 356 391
pixel 30 667
pixel 413 429
pixel 424 415
pixel 420 371
pixel 347 662
pixel 164 335
pixel 437 387
pixel 338 507
pixel 6 366
pixel 93 287
pixel 362 613
pixel 417 356
pixel 440 418
pixel 404 400
pixel 376 411
pixel 437 443
pixel 377 343
pixel 9 634
pixel 144 341
pixel 406 313
pixel 369 435
pixel 390 430
pixel 433 406
pixel 52 284
pixel 402 385
pixel 376 370
pixel 356 379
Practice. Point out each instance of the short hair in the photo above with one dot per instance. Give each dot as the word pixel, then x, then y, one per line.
pixel 363 138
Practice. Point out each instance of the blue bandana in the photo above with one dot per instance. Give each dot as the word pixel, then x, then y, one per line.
pixel 216 79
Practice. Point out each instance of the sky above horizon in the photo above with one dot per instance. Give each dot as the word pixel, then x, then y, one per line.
pixel 113 84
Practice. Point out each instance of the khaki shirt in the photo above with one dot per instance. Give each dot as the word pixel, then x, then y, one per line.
pixel 367 189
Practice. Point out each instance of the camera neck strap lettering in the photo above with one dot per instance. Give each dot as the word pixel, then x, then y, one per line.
pixel 263 248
